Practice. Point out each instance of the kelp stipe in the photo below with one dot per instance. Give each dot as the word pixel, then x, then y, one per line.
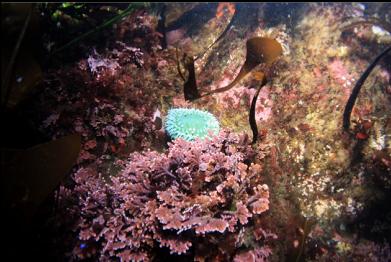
pixel 253 122
pixel 356 90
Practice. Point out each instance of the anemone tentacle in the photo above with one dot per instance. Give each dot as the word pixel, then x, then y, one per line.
pixel 189 123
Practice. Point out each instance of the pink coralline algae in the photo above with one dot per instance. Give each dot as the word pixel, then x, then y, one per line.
pixel 175 36
pixel 256 255
pixel 340 73
pixel 99 98
pixel 99 65
pixel 198 193
pixel 242 95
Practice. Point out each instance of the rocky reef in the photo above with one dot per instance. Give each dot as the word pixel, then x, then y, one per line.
pixel 307 190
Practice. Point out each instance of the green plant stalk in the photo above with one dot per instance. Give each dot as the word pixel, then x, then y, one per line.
pixel 111 21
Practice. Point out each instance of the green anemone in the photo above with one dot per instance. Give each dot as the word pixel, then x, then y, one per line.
pixel 190 123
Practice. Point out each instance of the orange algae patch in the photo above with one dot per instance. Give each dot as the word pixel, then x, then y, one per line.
pixel 230 7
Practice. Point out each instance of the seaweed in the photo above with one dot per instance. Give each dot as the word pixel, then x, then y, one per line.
pixel 259 50
pixel 116 19
pixel 253 122
pixel 229 26
pixel 30 175
pixel 356 21
pixel 190 87
pixel 356 90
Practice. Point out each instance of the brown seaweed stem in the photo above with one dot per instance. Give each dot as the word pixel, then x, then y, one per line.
pixel 190 86
pixel 356 90
pixel 363 21
pixel 252 120
pixel 233 19
pixel 246 68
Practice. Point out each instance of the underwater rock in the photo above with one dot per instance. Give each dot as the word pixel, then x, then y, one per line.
pixel 132 197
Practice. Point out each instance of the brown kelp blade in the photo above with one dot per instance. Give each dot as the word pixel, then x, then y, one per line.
pixel 259 50
pixel 262 50
pixel 29 176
